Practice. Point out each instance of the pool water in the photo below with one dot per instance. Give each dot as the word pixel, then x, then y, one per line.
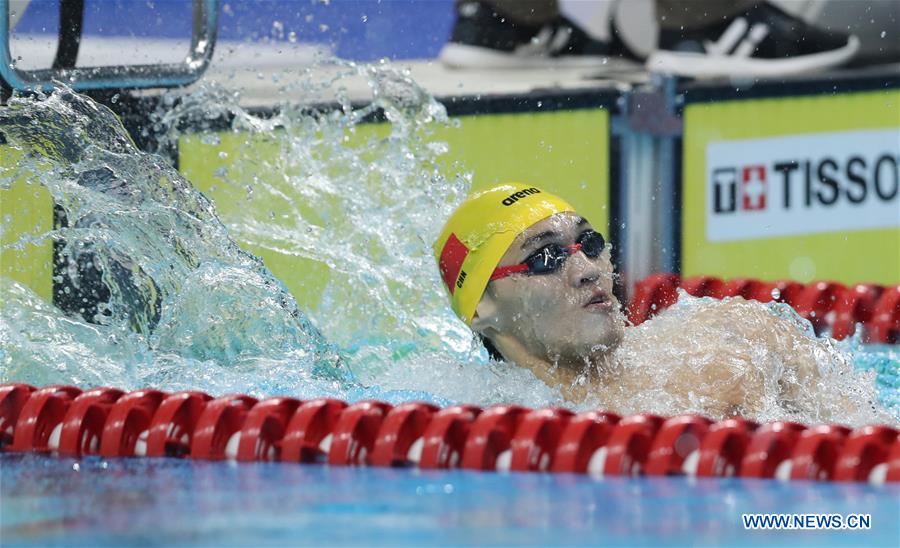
pixel 99 502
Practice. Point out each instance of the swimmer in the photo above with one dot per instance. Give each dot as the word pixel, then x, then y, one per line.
pixel 534 280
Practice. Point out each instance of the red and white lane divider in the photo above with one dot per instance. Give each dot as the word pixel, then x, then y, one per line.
pixel 65 420
pixel 827 305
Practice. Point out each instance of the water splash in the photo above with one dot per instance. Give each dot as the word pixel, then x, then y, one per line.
pixel 176 289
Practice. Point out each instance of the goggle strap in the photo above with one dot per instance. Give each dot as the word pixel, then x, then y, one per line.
pixel 504 271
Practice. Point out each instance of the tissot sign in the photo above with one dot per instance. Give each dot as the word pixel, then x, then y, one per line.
pixel 802 184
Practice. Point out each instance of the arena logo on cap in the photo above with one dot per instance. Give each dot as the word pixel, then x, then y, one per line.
pixel 516 196
pixel 802 184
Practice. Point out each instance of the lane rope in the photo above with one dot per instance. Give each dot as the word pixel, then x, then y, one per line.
pixel 107 422
pixel 829 306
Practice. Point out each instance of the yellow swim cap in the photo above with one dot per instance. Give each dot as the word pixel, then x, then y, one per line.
pixel 478 234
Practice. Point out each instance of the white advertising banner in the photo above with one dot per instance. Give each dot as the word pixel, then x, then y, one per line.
pixel 802 184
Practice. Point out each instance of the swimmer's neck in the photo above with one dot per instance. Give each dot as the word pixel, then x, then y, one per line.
pixel 576 377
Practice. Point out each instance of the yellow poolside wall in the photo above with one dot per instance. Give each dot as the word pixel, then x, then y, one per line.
pixel 25 210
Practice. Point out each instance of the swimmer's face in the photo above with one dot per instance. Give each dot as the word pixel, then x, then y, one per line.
pixel 566 314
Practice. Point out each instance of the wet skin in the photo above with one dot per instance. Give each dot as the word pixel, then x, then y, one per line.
pixel 567 328
pixel 561 319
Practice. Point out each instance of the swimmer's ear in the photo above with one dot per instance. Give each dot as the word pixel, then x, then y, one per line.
pixel 486 319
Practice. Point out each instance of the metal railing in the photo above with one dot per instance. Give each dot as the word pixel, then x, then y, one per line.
pixel 203 38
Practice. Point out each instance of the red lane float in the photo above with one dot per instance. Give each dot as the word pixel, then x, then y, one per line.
pixel 629 445
pixel 884 327
pixel 770 447
pixel 445 438
pixel 782 291
pixel 490 436
pixel 651 295
pixel 893 463
pixel 817 452
pixel 308 436
pixel 40 420
pixel 677 439
pixel 12 400
pixel 864 449
pixel 857 306
pixel 535 441
pixel 263 429
pixel 106 421
pixel 585 434
pixel 741 287
pixel 827 305
pixel 217 433
pixel 128 424
pixel 704 286
pixel 723 448
pixel 355 432
pixel 817 300
pixel 172 427
pixel 83 424
pixel 399 441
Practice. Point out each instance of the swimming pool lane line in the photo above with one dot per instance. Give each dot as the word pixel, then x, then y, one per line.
pixel 66 421
pixel 829 306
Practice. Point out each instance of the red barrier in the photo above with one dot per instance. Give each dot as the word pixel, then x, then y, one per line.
pixel 677 438
pixel 817 300
pixel 83 424
pixel 403 427
pixel 770 446
pixel 444 440
pixel 584 435
pixel 535 442
pixel 741 287
pixel 893 463
pixel 884 327
pixel 652 295
pixel 629 444
pixel 490 436
pixel 12 400
pixel 355 431
pixel 782 291
pixel 40 418
pixel 704 286
pixel 817 451
pixel 864 449
pixel 128 422
pixel 723 448
pixel 308 436
pixel 825 304
pixel 220 421
pixel 263 429
pixel 172 427
pixel 505 437
pixel 857 306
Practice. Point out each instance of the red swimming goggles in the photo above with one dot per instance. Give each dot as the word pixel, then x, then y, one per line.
pixel 551 257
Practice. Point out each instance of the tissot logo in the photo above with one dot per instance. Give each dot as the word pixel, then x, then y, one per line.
pixel 803 184
pixel 752 188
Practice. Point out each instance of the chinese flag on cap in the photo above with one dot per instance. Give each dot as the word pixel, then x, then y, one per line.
pixel 451 261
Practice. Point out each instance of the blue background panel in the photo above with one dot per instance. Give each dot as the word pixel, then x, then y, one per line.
pixel 362 30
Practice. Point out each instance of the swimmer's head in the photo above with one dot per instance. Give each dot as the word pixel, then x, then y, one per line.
pixel 529 274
